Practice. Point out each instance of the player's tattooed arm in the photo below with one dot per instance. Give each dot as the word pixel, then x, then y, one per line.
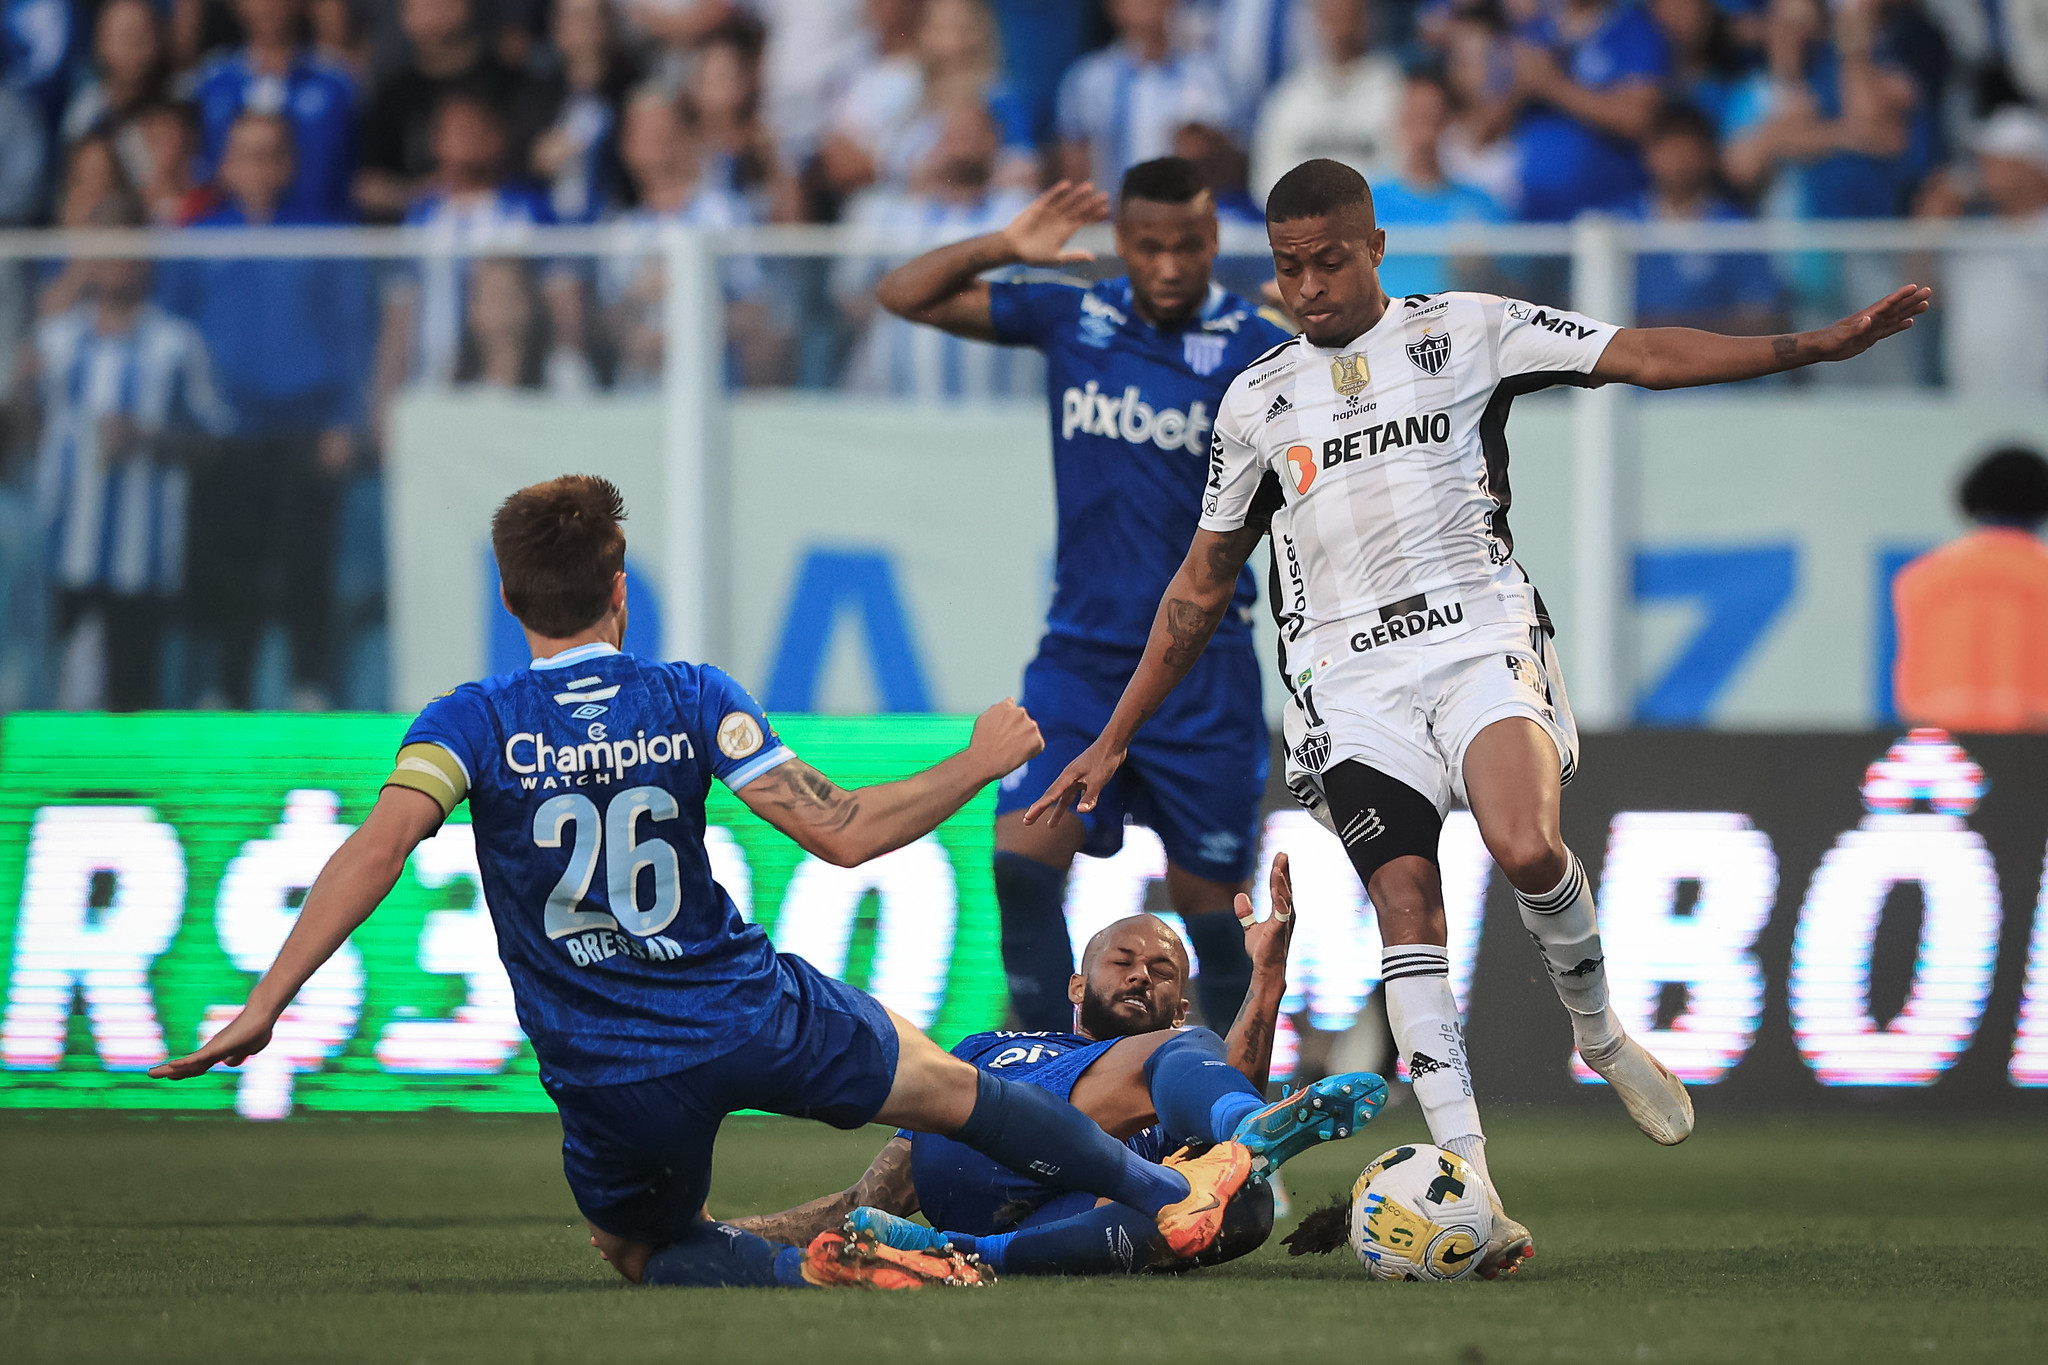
pixel 885 1185
pixel 848 828
pixel 1188 615
pixel 944 289
pixel 1683 357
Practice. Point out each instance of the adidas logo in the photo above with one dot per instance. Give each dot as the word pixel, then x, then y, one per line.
pixel 1421 1064
pixel 1280 405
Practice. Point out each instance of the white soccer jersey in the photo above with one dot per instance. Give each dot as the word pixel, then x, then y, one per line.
pixel 1391 460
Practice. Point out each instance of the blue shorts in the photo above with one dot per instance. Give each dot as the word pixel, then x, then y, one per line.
pixel 1197 772
pixel 638 1156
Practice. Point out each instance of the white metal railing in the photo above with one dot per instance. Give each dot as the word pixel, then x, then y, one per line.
pixel 1601 250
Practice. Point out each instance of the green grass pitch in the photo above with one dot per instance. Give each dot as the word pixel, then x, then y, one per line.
pixel 447 1239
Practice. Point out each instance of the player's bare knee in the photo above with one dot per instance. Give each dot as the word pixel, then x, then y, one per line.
pixel 1407 894
pixel 628 1258
pixel 1532 858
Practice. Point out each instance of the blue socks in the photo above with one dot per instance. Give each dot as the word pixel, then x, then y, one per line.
pixel 1109 1240
pixel 1195 1092
pixel 1226 976
pixel 718 1256
pixel 1036 1134
pixel 1037 958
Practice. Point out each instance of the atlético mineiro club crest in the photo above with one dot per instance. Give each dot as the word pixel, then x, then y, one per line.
pixel 1431 353
pixel 1313 752
pixel 1202 351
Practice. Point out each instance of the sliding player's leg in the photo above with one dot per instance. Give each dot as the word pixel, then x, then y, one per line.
pixel 1031 1131
pixel 1511 776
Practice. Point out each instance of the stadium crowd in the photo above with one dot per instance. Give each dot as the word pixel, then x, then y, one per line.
pixel 926 120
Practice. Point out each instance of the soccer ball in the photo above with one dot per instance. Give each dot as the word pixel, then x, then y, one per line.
pixel 1420 1213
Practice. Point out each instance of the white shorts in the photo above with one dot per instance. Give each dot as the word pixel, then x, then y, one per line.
pixel 1410 708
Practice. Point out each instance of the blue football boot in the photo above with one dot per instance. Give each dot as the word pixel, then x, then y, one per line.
pixel 1324 1111
pixel 873 1225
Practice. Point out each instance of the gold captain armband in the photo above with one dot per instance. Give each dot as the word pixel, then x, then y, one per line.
pixel 432 771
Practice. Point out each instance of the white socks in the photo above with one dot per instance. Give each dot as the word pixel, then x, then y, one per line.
pixel 1473 1149
pixel 1424 1017
pixel 1567 934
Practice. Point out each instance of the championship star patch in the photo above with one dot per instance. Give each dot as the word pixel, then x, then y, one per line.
pixel 739 734
pixel 1349 374
pixel 1431 353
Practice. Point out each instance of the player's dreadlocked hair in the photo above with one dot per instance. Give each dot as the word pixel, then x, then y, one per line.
pixel 559 546
pixel 1163 180
pixel 1316 189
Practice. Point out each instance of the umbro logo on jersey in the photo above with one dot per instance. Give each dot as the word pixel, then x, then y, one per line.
pixel 584 695
pixel 1431 353
pixel 1562 326
pixel 1280 405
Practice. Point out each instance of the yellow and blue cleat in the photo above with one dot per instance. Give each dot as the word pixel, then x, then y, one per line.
pixel 1322 1111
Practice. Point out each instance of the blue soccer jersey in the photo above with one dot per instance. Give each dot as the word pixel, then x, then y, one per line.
pixel 586 776
pixel 1132 407
pixel 961 1190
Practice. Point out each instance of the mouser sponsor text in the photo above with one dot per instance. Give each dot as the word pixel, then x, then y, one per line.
pixel 1094 413
pixel 543 766
pixel 1423 429
pixel 1408 626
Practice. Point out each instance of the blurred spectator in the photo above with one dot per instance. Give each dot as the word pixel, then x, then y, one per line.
pixel 42 46
pixel 290 341
pixel 131 70
pixel 667 173
pixel 814 48
pixel 504 336
pixel 160 148
pixel 469 202
pixel 1588 82
pixel 116 381
pixel 1733 292
pixel 1224 169
pixel 277 73
pixel 1343 107
pixel 339 39
pixel 1039 40
pixel 1478 148
pixel 577 104
pixel 1419 194
pixel 952 198
pixel 24 161
pixel 1120 106
pixel 93 177
pixel 1994 304
pixel 1707 66
pixel 446 57
pixel 878 104
pixel 1260 43
pixel 1972 616
pixel 1829 118
pixel 721 108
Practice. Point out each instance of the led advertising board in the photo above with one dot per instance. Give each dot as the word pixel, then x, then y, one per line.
pixel 1786 917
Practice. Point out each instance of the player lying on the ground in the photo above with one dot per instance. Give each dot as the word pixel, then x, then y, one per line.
pixel 1129 1065
pixel 1417 651
pixel 654 1009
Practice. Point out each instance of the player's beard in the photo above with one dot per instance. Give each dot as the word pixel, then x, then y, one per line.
pixel 1099 1019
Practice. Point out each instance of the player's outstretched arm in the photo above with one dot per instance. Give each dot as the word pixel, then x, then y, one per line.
pixel 1683 357
pixel 1188 615
pixel 356 879
pixel 885 1185
pixel 943 288
pixel 846 828
pixel 1249 1046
